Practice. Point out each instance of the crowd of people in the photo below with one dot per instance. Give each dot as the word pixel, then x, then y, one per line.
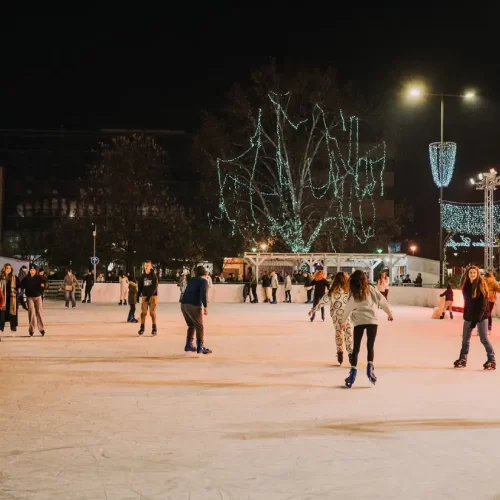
pixel 352 300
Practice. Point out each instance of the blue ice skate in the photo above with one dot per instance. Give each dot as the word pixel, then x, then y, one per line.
pixel 351 378
pixel 371 373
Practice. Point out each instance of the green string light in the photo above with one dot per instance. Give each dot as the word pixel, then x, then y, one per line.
pixel 468 218
pixel 278 192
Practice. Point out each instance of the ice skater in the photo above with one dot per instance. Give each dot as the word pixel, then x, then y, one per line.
pixel 448 301
pixel 8 287
pixel 493 289
pixel 33 285
pixel 338 296
pixel 320 285
pixel 132 299
pixel 148 290
pixel 383 285
pixel 363 303
pixel 476 313
pixel 194 305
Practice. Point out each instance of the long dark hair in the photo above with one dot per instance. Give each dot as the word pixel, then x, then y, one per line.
pixel 479 286
pixel 358 283
pixel 340 282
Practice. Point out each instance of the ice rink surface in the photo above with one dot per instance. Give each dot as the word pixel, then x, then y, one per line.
pixel 92 411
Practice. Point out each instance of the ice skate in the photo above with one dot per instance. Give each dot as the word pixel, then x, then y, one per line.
pixel 133 320
pixel 340 357
pixel 351 378
pixel 42 333
pixel 189 347
pixel 460 363
pixel 370 373
pixel 124 302
pixel 490 365
pixel 442 316
pixel 312 317
pixel 451 315
pixel 201 349
pixel 154 331
pixel 31 333
pixel 120 303
pixel 141 330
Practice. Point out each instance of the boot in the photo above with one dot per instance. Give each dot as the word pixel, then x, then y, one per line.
pixel 451 315
pixel 154 331
pixel 124 302
pixel 322 314
pixel 340 357
pixel 370 373
pixel 312 317
pixel 201 349
pixel 129 318
pixel 351 378
pixel 141 330
pixel 189 347
pixel 120 303
pixel 442 316
pixel 133 320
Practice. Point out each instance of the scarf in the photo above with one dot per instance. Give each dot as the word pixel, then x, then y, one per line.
pixel 12 292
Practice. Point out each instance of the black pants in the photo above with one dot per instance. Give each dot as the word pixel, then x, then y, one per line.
pixel 288 296
pixel 131 311
pixel 254 293
pixel 87 294
pixel 385 293
pixel 274 294
pixel 194 320
pixel 5 317
pixel 490 320
pixel 309 295
pixel 315 303
pixel 371 334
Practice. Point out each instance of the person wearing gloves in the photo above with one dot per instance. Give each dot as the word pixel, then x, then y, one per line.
pixel 363 304
pixel 476 313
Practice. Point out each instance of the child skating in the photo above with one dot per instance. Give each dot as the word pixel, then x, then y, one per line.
pixel 132 299
pixel 448 302
pixel 363 303
pixel 476 313
pixel 338 296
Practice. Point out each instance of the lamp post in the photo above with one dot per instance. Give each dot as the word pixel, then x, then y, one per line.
pixel 413 248
pixel 94 234
pixel 416 92
pixel 488 182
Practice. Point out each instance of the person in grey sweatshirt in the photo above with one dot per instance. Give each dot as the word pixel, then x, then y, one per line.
pixel 363 304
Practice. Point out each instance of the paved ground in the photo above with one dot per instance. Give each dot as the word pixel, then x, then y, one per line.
pixel 92 411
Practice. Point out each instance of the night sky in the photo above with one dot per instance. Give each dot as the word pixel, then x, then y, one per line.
pixel 160 71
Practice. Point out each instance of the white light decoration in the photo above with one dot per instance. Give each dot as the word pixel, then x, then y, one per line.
pixel 442 156
pixel 468 218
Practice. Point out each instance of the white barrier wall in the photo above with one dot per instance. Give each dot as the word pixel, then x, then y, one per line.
pixel 108 293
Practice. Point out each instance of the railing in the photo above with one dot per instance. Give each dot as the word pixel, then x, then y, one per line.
pixel 56 290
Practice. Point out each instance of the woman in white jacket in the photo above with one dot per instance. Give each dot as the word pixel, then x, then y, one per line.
pixel 123 289
pixel 337 296
pixel 363 305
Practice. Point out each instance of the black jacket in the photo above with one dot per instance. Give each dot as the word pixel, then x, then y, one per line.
pixel 320 287
pixel 88 279
pixel 266 281
pixel 448 295
pixel 32 285
pixel 148 285
pixel 196 292
pixel 475 309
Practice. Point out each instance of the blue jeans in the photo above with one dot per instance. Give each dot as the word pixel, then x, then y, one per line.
pixel 482 328
pixel 69 295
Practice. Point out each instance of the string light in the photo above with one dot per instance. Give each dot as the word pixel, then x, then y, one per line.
pixel 298 194
pixel 442 158
pixel 468 218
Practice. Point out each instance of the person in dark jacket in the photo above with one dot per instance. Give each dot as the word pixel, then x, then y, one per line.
pixel 476 312
pixel 266 285
pixel 192 302
pixel 148 290
pixel 132 298
pixel 45 281
pixel 88 281
pixel 309 287
pixel 320 286
pixel 20 296
pixel 448 301
pixel 33 285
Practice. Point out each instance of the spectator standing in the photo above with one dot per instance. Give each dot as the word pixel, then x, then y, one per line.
pixel 88 282
pixel 69 284
pixel 8 298
pixel 22 274
pixel 123 289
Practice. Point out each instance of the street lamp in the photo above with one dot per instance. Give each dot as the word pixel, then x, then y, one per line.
pixel 379 250
pixel 415 92
pixel 94 234
pixel 263 246
pixel 413 248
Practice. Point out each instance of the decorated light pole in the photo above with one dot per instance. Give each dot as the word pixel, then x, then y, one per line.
pixel 442 157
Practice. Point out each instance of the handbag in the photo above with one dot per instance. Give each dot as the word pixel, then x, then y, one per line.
pixel 68 288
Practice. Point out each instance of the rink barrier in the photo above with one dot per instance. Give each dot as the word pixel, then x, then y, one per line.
pixel 109 293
